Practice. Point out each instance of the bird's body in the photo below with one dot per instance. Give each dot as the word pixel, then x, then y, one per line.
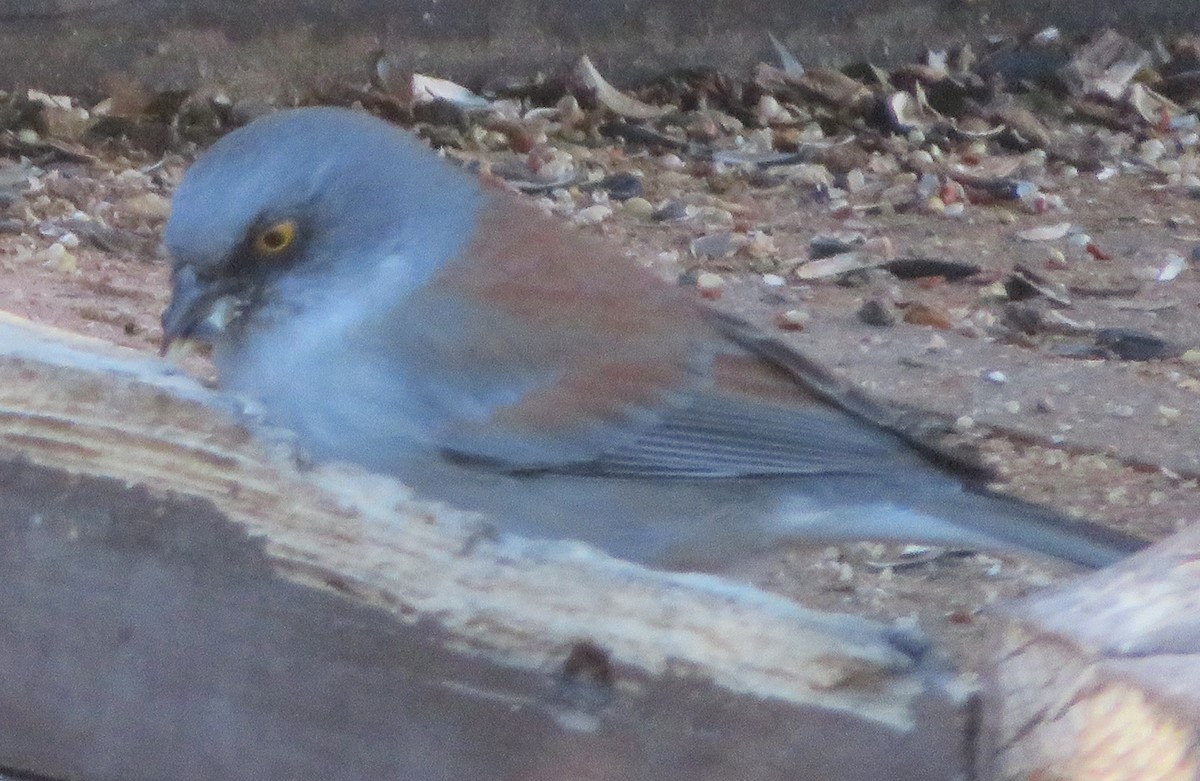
pixel 396 313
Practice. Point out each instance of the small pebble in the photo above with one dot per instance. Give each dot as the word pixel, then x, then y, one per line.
pixel 792 319
pixel 148 206
pixel 713 216
pixel 709 285
pixel 883 164
pixel 56 255
pixel 997 377
pixel 761 245
pixel 134 177
pixel 876 312
pixel 855 181
pixel 1170 167
pixel 822 246
pixel 672 162
pixel 835 194
pixel 1035 159
pixel 1171 268
pixel 810 175
pixel 622 186
pixel 671 211
pixel 896 195
pixel 717 245
pixel 928 185
pixel 1046 232
pixel 1151 150
pixel 923 314
pixel 568 110
pixel 638 207
pixel 593 215
pixel 769 110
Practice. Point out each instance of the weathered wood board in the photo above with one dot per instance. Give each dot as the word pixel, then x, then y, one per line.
pixel 183 600
pixel 1100 679
pixel 278 48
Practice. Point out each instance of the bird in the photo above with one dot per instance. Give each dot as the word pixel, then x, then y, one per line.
pixel 398 312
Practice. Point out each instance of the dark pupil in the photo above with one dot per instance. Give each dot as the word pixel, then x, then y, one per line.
pixel 273 239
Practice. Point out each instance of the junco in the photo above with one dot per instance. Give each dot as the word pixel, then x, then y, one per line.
pixel 395 312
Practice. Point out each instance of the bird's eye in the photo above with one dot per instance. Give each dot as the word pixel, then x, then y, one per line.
pixel 275 238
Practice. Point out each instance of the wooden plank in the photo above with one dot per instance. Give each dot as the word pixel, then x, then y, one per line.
pixel 281 48
pixel 185 600
pixel 1100 679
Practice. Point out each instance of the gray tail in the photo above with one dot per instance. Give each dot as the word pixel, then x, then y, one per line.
pixel 1020 524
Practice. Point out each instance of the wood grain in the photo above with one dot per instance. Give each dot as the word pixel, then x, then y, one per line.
pixel 1100 678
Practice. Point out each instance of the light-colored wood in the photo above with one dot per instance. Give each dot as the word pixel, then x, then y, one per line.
pixel 1099 680
pixel 183 599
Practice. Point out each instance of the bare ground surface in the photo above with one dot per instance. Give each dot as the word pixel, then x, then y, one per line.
pixel 1115 440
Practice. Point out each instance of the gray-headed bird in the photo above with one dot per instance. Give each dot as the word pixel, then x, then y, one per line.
pixel 395 312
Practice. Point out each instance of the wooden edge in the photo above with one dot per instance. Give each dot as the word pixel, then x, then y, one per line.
pixel 1100 678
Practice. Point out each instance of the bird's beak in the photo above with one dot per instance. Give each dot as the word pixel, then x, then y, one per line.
pixel 199 309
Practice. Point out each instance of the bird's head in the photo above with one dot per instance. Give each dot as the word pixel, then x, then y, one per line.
pixel 302 209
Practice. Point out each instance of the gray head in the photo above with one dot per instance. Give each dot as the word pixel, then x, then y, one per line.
pixel 295 208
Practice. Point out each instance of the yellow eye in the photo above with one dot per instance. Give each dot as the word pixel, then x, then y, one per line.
pixel 275 238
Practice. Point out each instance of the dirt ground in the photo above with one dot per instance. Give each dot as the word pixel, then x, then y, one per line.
pixel 1064 421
